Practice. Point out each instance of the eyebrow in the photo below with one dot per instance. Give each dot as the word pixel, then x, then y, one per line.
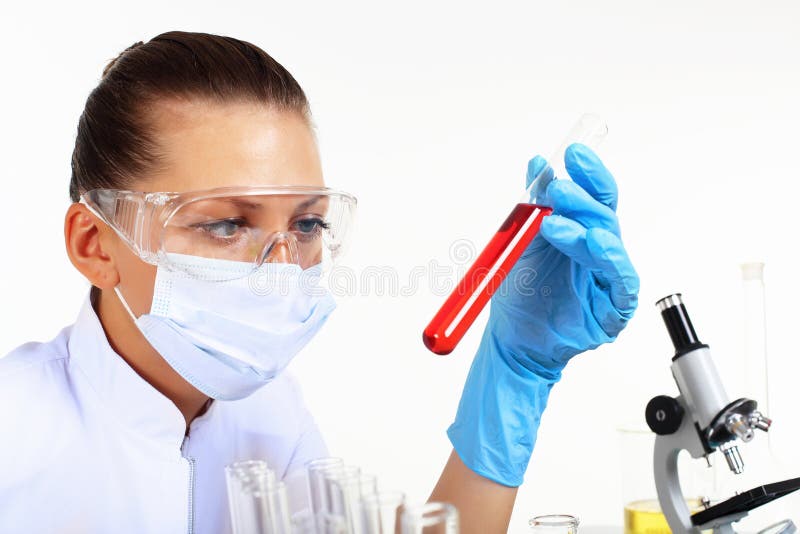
pixel 307 203
pixel 246 204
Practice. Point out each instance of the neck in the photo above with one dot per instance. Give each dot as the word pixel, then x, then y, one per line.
pixel 127 341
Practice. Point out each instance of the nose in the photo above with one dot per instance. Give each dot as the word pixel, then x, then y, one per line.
pixel 283 249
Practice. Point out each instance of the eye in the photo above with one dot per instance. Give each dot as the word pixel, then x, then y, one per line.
pixel 223 228
pixel 311 226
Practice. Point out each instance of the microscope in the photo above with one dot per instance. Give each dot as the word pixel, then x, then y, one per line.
pixel 702 420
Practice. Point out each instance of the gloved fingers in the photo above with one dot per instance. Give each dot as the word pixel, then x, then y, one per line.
pixel 570 200
pixel 586 170
pixel 613 263
pixel 602 253
pixel 567 236
pixel 535 166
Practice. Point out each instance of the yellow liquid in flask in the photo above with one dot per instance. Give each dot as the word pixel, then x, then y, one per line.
pixel 645 517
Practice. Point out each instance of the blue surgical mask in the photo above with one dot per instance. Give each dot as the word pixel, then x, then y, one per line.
pixel 230 338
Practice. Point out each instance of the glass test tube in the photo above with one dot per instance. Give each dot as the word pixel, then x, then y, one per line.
pixel 554 524
pixel 306 522
pixel 430 518
pixel 332 524
pixel 492 265
pixel 258 502
pixel 343 490
pixel 333 497
pixel 316 481
pixel 368 485
pixel 235 476
pixel 381 511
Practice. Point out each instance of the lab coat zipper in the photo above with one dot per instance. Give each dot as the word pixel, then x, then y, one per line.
pixel 190 460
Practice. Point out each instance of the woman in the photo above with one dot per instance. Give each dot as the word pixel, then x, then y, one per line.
pixel 201 220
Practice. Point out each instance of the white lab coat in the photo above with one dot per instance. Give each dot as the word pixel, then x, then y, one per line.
pixel 88 446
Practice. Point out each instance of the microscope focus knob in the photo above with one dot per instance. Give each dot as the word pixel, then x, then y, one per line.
pixel 664 415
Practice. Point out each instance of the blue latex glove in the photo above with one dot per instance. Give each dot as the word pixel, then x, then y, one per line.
pixel 573 289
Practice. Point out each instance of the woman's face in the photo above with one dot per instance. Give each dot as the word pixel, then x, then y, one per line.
pixel 210 145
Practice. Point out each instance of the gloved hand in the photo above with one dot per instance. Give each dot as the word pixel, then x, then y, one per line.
pixel 572 290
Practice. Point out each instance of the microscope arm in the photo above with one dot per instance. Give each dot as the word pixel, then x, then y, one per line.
pixel 668 486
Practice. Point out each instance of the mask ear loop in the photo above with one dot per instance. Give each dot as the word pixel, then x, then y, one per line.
pixel 124 302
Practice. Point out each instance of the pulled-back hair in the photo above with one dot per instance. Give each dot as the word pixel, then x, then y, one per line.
pixel 116 142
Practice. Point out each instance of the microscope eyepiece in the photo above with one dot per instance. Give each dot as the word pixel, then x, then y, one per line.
pixel 678 324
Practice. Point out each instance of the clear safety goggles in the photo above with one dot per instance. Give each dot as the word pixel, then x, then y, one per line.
pixel 248 225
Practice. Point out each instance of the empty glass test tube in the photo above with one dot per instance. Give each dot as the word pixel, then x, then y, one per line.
pixel 258 502
pixel 381 512
pixel 316 481
pixel 236 476
pixel 306 522
pixel 429 518
pixel 492 265
pixel 344 489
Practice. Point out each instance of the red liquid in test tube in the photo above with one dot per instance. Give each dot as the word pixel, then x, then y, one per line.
pixel 493 264
pixel 484 277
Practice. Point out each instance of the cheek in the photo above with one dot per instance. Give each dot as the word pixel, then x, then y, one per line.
pixel 137 279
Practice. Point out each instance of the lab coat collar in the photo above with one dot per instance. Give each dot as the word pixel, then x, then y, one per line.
pixel 129 398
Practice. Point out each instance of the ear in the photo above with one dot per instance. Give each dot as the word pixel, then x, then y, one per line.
pixel 88 240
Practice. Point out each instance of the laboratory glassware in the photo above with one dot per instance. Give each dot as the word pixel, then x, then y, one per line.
pixel 258 502
pixel 492 265
pixel 316 480
pixel 336 500
pixel 755 336
pixel 766 462
pixel 381 511
pixel 306 522
pixel 368 485
pixel 554 524
pixel 645 516
pixel 346 487
pixel 641 511
pixel 429 518
pixel 786 526
pixel 236 474
pixel 332 524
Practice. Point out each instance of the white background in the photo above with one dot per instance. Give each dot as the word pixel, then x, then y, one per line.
pixel 428 112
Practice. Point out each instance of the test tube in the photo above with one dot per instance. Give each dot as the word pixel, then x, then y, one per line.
pixel 368 485
pixel 235 475
pixel 343 491
pixel 492 265
pixel 258 502
pixel 316 480
pixel 306 522
pixel 331 524
pixel 381 512
pixel 430 518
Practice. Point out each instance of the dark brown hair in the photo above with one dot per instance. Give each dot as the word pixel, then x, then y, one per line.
pixel 115 140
